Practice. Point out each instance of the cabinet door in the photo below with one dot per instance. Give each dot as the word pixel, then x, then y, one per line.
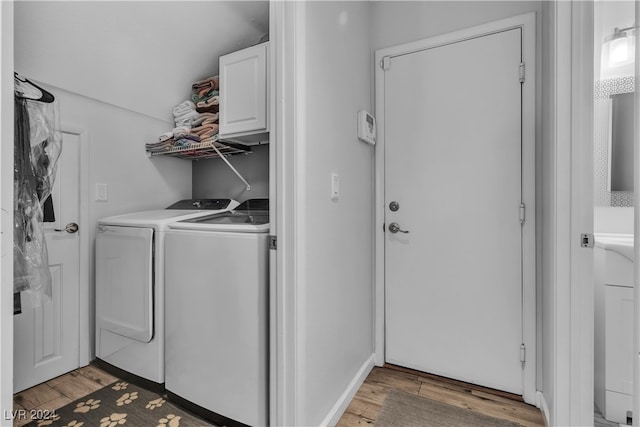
pixel 619 339
pixel 243 91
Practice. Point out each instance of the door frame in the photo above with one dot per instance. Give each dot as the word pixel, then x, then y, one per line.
pixel 527 23
pixel 86 295
pixel 571 199
pixel 6 217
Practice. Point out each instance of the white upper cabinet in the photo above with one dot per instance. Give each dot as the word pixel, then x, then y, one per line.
pixel 244 115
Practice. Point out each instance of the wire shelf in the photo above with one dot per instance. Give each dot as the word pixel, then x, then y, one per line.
pixel 203 150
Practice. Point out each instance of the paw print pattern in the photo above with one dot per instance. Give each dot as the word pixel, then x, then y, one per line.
pixel 156 403
pixel 170 420
pixel 48 421
pixel 127 398
pixel 113 420
pixel 75 423
pixel 84 407
pixel 120 386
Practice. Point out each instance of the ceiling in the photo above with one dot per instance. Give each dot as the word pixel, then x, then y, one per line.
pixel 138 55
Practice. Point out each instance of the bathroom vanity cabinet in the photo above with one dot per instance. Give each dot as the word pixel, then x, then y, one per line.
pixel 613 333
pixel 244 95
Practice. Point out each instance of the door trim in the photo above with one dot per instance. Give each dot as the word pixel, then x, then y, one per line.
pixel 6 202
pixel 85 297
pixel 527 23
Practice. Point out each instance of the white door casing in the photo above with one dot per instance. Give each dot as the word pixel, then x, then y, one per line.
pixel 448 196
pixel 47 338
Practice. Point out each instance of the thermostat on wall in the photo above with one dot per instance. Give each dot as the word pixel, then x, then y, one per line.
pixel 366 127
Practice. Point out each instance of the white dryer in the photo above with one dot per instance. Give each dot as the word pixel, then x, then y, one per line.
pixel 130 285
pixel 217 287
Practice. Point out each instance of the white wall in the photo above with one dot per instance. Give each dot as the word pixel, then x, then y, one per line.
pixel 213 178
pixel 397 22
pixel 142 55
pixel 6 213
pixel 335 257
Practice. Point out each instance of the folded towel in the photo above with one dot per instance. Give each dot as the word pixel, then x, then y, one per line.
pixel 211 82
pixel 165 136
pixel 192 137
pixel 183 107
pixel 181 129
pixel 204 95
pixel 206 131
pixel 202 117
pixel 209 109
pixel 214 100
pixel 206 92
pixel 191 114
pixel 186 123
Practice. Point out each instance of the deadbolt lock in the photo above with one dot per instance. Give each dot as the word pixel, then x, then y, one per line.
pixel 394 206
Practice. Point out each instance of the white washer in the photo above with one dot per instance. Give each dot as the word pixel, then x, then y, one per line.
pixel 217 287
pixel 130 285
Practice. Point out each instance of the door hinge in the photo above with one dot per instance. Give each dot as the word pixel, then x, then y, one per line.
pixel 523 354
pixel 385 64
pixel 273 243
pixel 522 72
pixel 587 240
pixel 522 213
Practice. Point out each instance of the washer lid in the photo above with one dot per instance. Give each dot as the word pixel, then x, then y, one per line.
pixel 154 219
pixel 232 221
pixel 160 218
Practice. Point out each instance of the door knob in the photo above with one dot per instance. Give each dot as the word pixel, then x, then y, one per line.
pixel 395 228
pixel 72 227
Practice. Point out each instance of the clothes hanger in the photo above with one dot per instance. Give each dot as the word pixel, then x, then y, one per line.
pixel 26 89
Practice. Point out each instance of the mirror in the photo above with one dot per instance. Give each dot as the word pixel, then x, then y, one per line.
pixel 621 110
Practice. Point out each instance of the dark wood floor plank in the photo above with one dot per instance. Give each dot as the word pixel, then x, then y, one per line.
pixel 77 386
pixel 351 420
pixel 98 375
pixel 363 408
pixel 488 407
pixel 35 396
pixel 368 401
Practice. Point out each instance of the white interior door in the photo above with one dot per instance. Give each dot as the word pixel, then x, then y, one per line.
pixel 46 338
pixel 453 283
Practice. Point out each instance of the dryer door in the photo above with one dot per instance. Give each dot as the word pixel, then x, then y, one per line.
pixel 124 281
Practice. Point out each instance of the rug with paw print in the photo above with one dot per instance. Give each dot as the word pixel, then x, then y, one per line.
pixel 120 404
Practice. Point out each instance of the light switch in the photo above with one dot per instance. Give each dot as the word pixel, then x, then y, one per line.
pixel 335 186
pixel 101 193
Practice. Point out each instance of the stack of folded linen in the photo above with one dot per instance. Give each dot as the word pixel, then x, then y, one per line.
pixel 196 119
pixel 205 95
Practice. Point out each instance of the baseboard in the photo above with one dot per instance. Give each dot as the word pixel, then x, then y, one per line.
pixel 341 405
pixel 541 403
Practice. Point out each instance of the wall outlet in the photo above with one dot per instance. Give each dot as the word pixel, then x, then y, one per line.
pixel 101 193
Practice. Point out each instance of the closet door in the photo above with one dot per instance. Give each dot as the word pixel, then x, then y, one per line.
pixel 47 336
pixel 453 277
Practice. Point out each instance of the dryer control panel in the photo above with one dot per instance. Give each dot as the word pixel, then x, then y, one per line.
pixel 208 204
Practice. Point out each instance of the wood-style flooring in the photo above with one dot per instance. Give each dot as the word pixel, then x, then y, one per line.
pixel 363 410
pixel 60 391
pixel 366 404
